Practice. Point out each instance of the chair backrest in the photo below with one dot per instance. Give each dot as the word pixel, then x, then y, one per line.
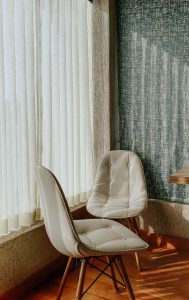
pixel 57 218
pixel 120 176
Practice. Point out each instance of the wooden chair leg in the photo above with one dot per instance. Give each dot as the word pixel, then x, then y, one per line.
pixel 131 224
pixel 138 262
pixel 134 227
pixel 81 280
pixel 64 278
pixel 112 273
pixel 126 278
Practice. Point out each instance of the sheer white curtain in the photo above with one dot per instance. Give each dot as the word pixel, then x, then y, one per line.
pixel 44 103
pixel 66 127
pixel 17 114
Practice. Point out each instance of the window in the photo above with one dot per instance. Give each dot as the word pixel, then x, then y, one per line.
pixel 44 104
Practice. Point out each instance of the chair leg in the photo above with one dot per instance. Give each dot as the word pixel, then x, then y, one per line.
pixel 126 278
pixel 64 278
pixel 138 262
pixel 131 224
pixel 112 273
pixel 134 226
pixel 81 280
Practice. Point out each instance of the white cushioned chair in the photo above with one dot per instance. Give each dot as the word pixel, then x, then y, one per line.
pixel 119 191
pixel 84 238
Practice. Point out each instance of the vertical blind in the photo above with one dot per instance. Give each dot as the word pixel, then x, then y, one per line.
pixel 67 149
pixel 44 104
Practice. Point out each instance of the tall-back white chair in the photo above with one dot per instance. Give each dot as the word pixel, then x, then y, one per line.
pixel 119 191
pixel 84 238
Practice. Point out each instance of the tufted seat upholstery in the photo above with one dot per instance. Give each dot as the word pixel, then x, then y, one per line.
pixel 103 237
pixel 119 190
pixel 82 238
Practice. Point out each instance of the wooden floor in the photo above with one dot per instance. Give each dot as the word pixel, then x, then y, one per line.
pixel 165 276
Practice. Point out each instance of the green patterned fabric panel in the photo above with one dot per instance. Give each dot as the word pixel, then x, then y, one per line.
pixel 153 59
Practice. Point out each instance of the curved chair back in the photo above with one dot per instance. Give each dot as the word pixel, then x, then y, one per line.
pixel 57 217
pixel 119 186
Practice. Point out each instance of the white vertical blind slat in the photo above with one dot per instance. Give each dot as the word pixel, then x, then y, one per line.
pixel 46 80
pixel 3 159
pixel 76 102
pixel 63 97
pixel 10 116
pixel 69 84
pixel 30 85
pixel 55 84
pixel 20 95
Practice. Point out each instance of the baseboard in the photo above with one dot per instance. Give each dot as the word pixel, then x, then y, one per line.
pixel 158 240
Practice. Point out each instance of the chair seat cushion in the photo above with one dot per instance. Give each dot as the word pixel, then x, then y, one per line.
pixel 106 237
pixel 114 207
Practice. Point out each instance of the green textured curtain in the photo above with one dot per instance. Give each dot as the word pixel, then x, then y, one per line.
pixel 153 59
